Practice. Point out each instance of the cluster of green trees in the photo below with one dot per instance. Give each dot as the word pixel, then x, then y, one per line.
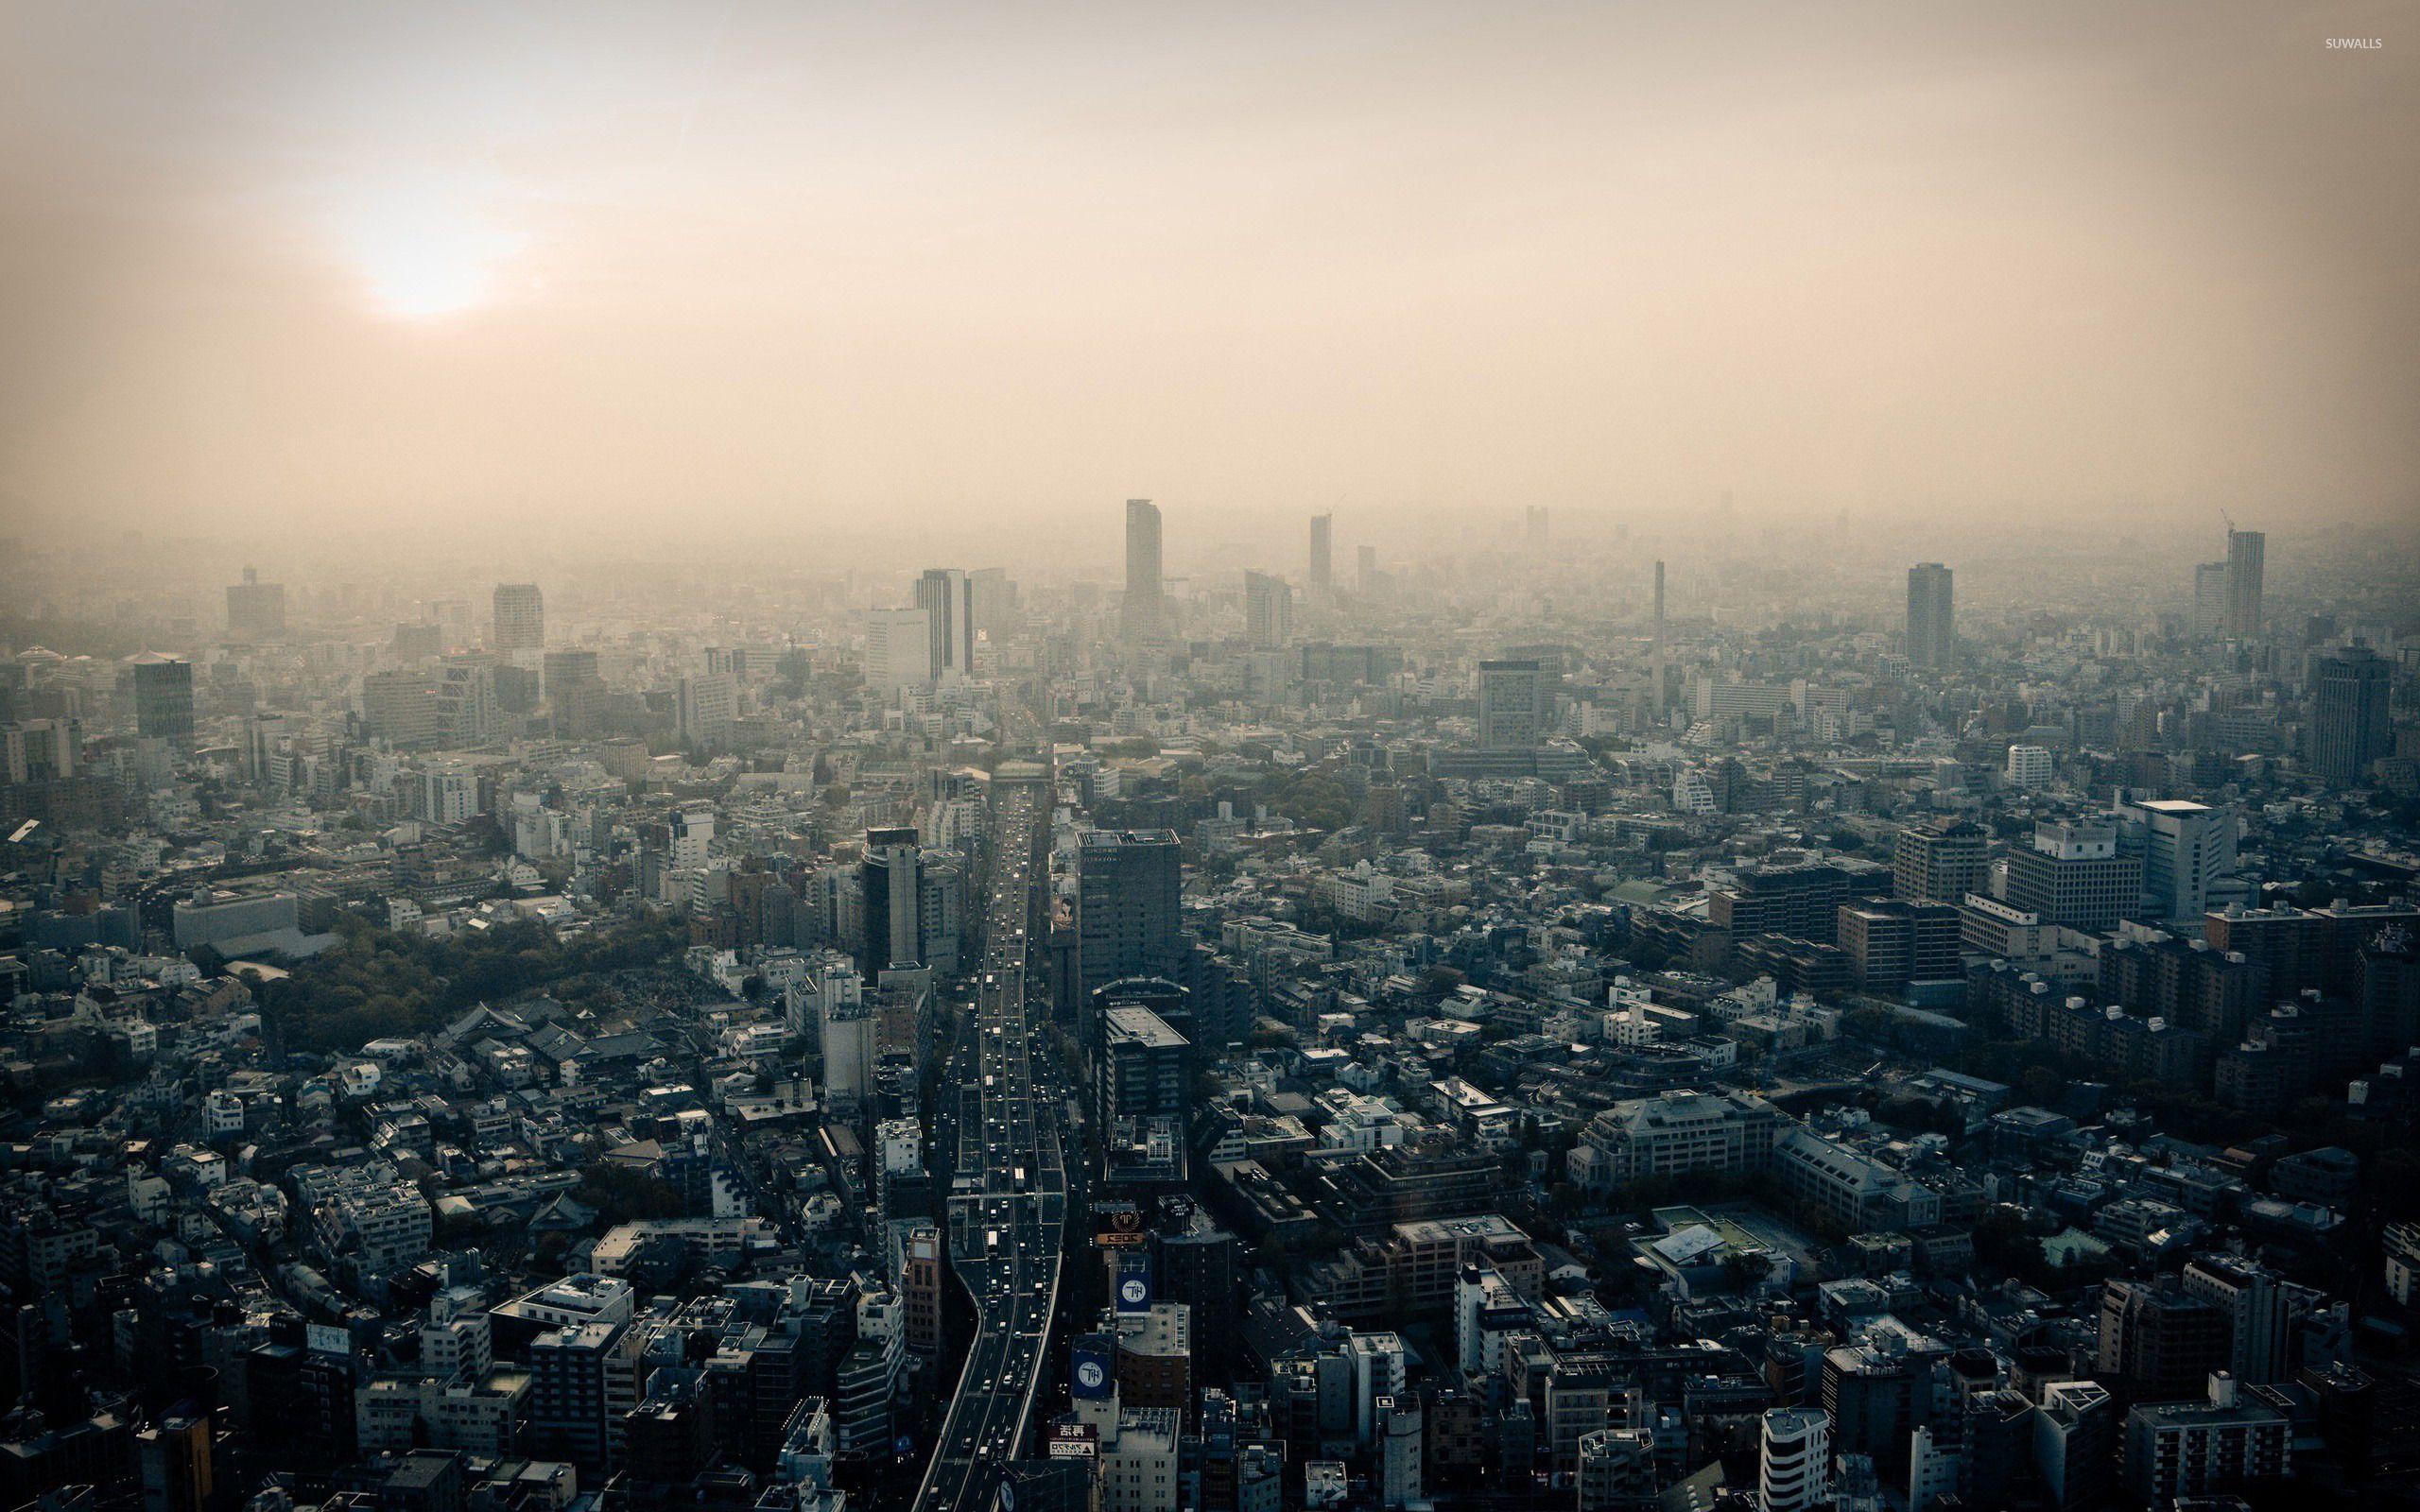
pixel 378 982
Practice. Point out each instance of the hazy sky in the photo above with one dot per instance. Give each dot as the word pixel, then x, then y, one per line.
pixel 662 265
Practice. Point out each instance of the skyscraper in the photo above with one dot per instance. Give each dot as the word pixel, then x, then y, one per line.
pixel 2209 597
pixel 2246 551
pixel 1657 671
pixel 1322 552
pixel 2186 846
pixel 1512 704
pixel 1268 609
pixel 899 648
pixel 256 611
pixel 2349 727
pixel 994 593
pixel 1146 608
pixel 1932 623
pixel 1128 887
pixel 162 699
pixel 947 598
pixel 889 877
pixel 519 618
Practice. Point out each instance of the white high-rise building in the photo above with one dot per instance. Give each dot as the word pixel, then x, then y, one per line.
pixel 899 648
pixel 2186 848
pixel 708 706
pixel 2030 766
pixel 1793 1462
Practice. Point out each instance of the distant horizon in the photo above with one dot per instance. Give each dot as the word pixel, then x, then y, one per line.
pixel 277 265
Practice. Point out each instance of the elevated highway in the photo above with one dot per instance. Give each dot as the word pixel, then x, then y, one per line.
pixel 1008 1205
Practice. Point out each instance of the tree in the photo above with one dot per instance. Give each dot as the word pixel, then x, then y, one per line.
pixel 625 1193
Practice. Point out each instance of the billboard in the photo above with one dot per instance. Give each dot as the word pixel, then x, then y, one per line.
pixel 327 1338
pixel 1134 1283
pixel 1090 1379
pixel 1120 1227
pixel 1073 1441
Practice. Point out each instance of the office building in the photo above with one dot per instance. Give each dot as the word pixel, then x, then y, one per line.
pixel 40 750
pixel 921 1285
pixel 1892 942
pixel 173 1464
pixel 2209 597
pixel 400 708
pixel 706 705
pixel 2031 766
pixel 1402 1452
pixel 1799 901
pixel 890 933
pixel 2246 550
pixel 162 699
pixel 994 595
pixel 947 598
pixel 1793 1460
pixel 2187 848
pixel 899 649
pixel 1322 553
pixel 256 611
pixel 1268 609
pixel 2263 1314
pixel 1129 883
pixel 2159 1342
pixel 1513 705
pixel 2075 1432
pixel 519 618
pixel 583 1384
pixel 2349 723
pixel 467 712
pixel 2075 875
pixel 2228 1442
pixel 575 691
pixel 1145 608
pixel 1933 627
pixel 1940 860
pixel 1143 1066
pixel 1674 1134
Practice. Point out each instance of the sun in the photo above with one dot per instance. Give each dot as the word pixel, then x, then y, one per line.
pixel 425 251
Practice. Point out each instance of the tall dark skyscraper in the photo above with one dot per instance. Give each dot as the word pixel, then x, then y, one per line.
pixel 2246 553
pixel 163 698
pixel 1146 607
pixel 947 598
pixel 891 934
pixel 1322 552
pixel 1932 629
pixel 2349 727
pixel 1127 885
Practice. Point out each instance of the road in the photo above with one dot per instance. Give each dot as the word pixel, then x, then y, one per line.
pixel 1008 1207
